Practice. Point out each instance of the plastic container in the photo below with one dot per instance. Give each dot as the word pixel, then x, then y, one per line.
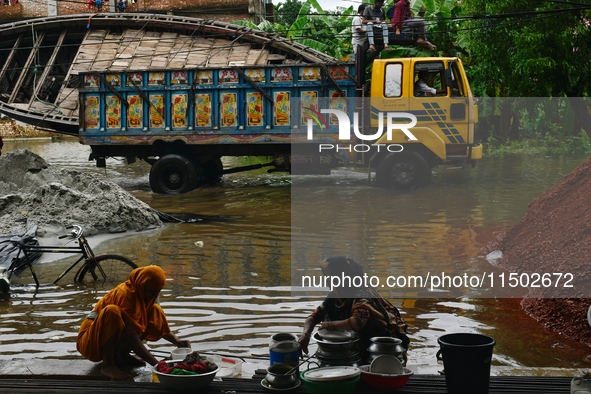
pixel 230 367
pixel 466 362
pixel 385 381
pixel 180 352
pixel 346 386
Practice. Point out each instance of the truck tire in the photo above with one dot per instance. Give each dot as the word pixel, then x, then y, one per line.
pixel 174 174
pixel 213 171
pixel 403 171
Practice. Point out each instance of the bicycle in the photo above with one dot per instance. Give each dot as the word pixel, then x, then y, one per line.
pixel 111 268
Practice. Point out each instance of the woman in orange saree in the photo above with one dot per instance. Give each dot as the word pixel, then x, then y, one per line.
pixel 122 319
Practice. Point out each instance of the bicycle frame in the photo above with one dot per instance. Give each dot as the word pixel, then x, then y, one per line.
pixel 83 248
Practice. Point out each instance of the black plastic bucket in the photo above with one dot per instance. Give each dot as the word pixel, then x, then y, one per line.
pixel 466 362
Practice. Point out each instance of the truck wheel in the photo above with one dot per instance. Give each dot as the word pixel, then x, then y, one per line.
pixel 404 171
pixel 213 171
pixel 174 174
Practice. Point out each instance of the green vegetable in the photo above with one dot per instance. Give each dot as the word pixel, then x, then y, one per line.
pixel 179 371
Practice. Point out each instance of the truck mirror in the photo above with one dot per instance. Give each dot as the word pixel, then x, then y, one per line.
pixel 449 78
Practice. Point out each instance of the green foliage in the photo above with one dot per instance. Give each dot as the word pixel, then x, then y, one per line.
pixel 579 144
pixel 528 48
pixel 307 23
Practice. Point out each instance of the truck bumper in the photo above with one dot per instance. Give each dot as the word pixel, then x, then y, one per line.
pixel 476 152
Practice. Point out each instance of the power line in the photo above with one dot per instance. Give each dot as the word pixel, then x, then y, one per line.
pixel 532 15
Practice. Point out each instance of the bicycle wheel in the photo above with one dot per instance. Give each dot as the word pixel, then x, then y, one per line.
pixel 117 269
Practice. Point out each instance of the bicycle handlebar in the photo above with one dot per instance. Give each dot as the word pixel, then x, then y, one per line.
pixel 76 233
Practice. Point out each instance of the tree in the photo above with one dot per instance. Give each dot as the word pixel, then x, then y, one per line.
pixel 287 12
pixel 528 48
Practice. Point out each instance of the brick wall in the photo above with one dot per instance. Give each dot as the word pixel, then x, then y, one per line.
pixel 33 9
pixel 222 10
pixel 9 128
pixel 10 13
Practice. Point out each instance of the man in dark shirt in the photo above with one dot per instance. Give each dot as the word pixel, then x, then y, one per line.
pixel 376 15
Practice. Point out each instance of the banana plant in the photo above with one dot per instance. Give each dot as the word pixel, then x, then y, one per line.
pixel 313 27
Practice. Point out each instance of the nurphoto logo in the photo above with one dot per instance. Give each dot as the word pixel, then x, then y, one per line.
pixel 344 123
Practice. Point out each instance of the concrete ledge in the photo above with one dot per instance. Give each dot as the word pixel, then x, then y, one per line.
pixel 80 369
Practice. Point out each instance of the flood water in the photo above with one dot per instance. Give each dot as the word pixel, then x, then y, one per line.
pixel 230 295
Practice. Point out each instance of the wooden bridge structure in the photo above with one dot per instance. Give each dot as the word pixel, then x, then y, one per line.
pixel 40 59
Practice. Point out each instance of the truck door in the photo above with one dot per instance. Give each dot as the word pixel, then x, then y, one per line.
pixel 389 92
pixel 439 101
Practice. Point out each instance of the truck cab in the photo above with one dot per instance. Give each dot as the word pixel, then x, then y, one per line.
pixel 446 116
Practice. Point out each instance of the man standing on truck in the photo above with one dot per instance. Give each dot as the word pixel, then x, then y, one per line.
pixel 376 15
pixel 358 36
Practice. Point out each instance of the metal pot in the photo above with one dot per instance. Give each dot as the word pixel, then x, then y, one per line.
pixel 351 358
pixel 276 376
pixel 385 345
pixel 336 347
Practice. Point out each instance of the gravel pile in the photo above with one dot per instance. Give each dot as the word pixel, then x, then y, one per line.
pixel 30 188
pixel 554 236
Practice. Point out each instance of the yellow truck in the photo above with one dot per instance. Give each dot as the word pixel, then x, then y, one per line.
pixel 309 117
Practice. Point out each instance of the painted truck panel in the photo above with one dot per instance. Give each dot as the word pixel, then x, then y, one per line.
pixel 254 105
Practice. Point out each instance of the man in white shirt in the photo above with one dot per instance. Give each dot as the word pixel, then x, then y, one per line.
pixel 422 89
pixel 359 35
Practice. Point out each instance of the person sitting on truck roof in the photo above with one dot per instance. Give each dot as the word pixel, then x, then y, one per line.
pixel 122 319
pixel 121 5
pixel 390 12
pixel 357 308
pixel 422 89
pixel 375 15
pixel 359 36
pixel 403 17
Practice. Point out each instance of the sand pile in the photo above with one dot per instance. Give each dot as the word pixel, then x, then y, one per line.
pixel 555 237
pixel 30 188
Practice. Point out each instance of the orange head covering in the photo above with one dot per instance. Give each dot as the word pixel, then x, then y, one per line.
pixel 129 296
pixel 151 278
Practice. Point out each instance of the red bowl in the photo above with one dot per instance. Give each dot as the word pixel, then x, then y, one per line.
pixel 384 381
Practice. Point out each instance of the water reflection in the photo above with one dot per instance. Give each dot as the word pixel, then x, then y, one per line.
pixel 233 293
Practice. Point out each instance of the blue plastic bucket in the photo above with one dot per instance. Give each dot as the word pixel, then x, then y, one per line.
pixel 284 349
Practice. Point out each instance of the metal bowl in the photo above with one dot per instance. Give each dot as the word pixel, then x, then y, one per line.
pixel 184 382
pixel 337 335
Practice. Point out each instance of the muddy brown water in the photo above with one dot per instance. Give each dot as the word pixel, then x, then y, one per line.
pixel 231 294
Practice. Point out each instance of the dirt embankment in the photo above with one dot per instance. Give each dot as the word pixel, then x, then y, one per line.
pixel 555 237
pixel 30 188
